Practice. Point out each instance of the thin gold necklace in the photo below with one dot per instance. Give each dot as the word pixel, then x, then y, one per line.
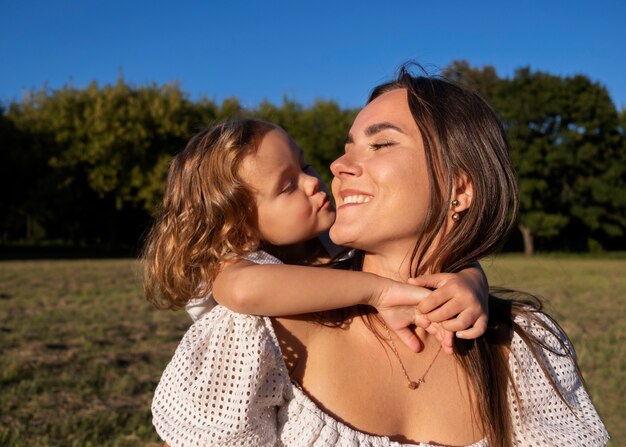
pixel 413 385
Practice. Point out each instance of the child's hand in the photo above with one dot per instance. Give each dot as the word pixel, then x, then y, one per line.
pixel 458 303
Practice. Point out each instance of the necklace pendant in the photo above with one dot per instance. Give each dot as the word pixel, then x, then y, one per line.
pixel 413 385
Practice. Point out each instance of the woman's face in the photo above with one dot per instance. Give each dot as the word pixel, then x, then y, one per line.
pixel 380 184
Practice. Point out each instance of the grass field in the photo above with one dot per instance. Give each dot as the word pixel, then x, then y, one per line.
pixel 81 351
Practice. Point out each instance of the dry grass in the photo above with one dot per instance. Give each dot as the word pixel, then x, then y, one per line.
pixel 588 298
pixel 82 351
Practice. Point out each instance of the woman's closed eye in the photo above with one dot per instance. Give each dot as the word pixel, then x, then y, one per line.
pixel 381 144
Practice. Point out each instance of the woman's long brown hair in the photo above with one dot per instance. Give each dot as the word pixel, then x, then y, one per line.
pixel 463 136
pixel 208 213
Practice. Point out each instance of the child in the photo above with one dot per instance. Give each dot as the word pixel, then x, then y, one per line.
pixel 242 186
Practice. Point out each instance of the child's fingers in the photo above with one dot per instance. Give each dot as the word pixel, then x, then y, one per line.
pixel 463 321
pixel 432 281
pixel 421 321
pixel 479 328
pixel 446 311
pixel 433 301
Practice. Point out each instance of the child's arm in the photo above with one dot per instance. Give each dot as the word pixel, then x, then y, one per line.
pixel 459 302
pixel 282 289
pixel 274 290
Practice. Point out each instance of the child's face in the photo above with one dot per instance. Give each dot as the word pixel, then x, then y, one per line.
pixel 293 202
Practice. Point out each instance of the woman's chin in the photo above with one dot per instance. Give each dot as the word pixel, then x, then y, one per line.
pixel 341 237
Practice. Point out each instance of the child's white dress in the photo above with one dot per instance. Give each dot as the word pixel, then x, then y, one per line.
pixel 227 385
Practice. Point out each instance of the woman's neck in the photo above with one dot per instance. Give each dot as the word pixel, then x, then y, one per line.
pixel 394 267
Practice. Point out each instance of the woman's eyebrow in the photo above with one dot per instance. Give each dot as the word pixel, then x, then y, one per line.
pixel 374 129
pixel 379 127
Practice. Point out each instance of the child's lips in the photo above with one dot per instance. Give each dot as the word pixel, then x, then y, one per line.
pixel 325 202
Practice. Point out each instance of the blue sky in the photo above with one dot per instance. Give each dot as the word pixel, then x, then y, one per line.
pixel 337 50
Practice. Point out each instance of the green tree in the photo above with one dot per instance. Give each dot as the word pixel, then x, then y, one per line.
pixel 565 146
pixel 484 80
pixel 15 220
pixel 323 133
pixel 231 109
pixel 93 160
pixel 28 183
pixel 107 150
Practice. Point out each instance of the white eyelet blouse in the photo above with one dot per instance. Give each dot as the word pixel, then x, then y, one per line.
pixel 227 385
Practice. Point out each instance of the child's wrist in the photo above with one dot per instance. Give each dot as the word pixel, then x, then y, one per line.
pixel 380 291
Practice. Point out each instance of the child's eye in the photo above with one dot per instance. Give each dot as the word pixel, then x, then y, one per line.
pixel 289 187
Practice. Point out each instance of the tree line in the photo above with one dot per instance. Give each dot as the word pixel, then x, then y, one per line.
pixel 86 166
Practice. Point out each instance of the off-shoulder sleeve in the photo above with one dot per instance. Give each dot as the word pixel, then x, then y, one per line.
pixel 224 384
pixel 540 416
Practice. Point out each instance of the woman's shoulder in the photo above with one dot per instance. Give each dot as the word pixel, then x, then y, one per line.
pixel 543 353
pixel 548 397
pixel 542 328
pixel 225 379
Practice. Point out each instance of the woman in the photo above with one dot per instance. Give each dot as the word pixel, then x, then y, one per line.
pixel 425 186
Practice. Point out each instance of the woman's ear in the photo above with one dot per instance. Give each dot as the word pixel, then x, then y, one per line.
pixel 462 192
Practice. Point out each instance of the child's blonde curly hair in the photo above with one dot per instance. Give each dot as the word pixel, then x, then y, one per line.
pixel 208 213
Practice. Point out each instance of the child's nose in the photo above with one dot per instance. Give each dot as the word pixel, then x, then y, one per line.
pixel 311 184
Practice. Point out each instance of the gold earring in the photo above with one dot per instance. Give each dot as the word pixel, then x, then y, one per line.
pixel 456 217
pixel 455 203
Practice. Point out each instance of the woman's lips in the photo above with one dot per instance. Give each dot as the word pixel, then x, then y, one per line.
pixel 354 197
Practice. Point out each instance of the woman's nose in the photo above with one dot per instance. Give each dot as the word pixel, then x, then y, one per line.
pixel 344 165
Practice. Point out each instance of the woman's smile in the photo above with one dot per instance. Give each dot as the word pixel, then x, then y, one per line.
pixel 353 197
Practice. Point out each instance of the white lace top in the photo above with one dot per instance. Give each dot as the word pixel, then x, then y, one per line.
pixel 227 385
